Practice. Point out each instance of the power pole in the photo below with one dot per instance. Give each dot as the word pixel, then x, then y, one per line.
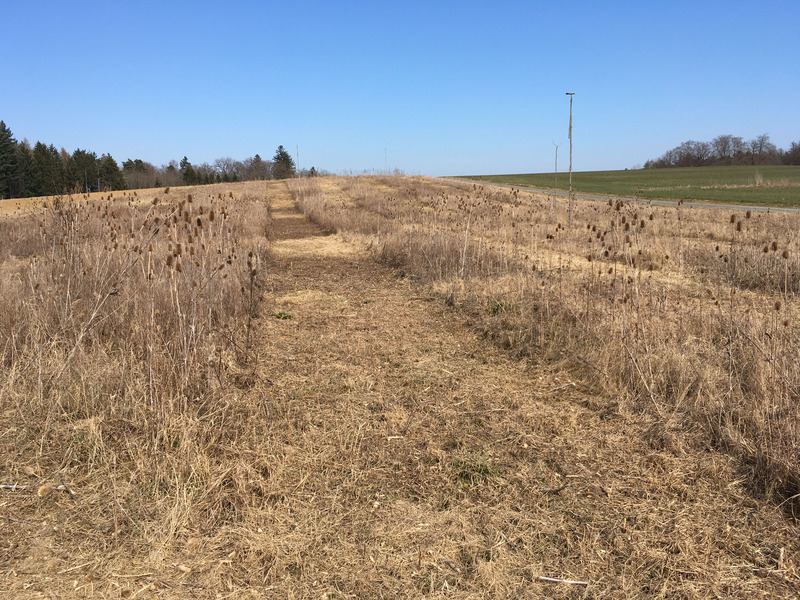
pixel 570 94
pixel 555 176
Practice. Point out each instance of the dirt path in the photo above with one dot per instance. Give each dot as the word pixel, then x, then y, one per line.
pixel 410 457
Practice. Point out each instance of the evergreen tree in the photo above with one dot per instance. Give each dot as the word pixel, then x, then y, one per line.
pixel 68 173
pixel 47 165
pixel 282 164
pixel 84 166
pixel 256 168
pixel 8 161
pixel 110 175
pixel 188 172
pixel 26 171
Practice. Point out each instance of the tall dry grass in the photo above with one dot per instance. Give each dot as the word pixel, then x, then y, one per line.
pixel 125 326
pixel 687 315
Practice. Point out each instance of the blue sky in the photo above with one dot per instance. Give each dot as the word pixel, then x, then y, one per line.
pixel 437 88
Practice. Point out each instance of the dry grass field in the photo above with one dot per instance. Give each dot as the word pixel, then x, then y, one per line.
pixel 203 394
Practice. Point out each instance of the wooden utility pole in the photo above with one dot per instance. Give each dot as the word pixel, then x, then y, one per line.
pixel 570 94
pixel 555 176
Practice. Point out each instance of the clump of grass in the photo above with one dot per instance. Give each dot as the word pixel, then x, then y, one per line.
pixel 474 467
pixel 497 306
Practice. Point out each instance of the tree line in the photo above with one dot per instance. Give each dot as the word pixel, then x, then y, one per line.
pixel 727 150
pixel 43 170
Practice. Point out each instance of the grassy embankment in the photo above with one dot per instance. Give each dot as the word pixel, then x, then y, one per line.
pixel 755 185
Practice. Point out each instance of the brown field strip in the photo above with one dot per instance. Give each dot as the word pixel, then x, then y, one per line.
pixel 378 446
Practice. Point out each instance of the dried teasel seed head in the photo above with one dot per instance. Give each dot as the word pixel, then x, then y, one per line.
pixel 778 305
pixel 733 219
pixel 785 254
pixel 748 214
pixel 774 246
pixel 169 260
pixel 178 267
pixel 738 225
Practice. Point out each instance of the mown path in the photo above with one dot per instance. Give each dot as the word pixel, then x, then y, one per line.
pixel 411 458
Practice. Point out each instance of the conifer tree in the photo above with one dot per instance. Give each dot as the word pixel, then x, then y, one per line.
pixel 8 161
pixel 26 171
pixel 282 164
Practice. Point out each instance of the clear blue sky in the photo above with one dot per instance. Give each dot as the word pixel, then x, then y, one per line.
pixel 438 88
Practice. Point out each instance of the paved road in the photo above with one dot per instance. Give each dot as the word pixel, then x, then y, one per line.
pixel 741 207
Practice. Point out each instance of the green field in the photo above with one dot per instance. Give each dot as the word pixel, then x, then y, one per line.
pixel 758 185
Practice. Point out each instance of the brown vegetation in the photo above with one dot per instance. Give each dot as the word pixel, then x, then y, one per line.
pixel 689 314
pixel 318 425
